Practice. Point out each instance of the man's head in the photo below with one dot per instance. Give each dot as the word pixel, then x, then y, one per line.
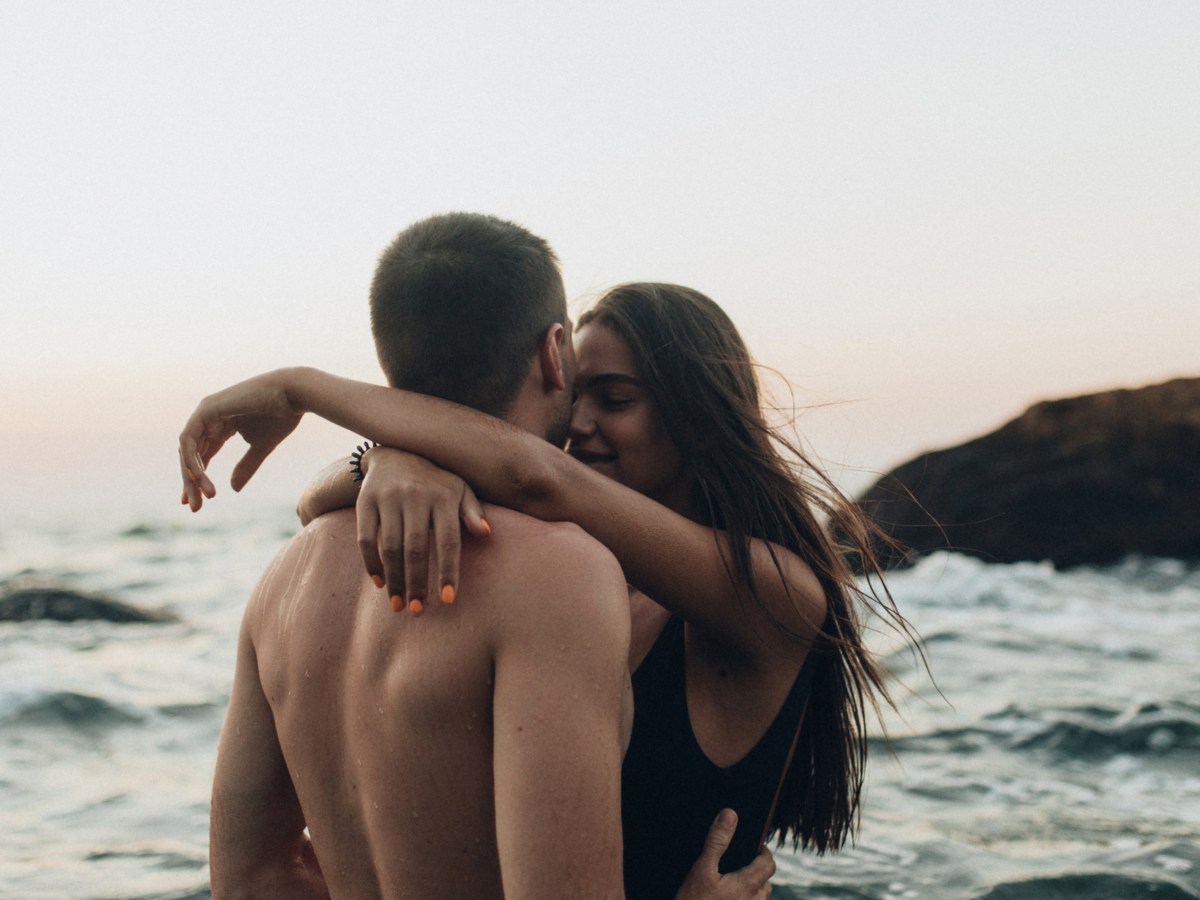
pixel 462 305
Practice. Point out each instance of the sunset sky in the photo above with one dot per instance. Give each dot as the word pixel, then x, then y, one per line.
pixel 926 215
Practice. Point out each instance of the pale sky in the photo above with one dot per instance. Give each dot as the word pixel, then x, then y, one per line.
pixel 927 215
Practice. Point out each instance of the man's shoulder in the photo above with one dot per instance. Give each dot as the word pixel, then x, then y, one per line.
pixel 552 567
pixel 520 540
pixel 325 550
pixel 332 532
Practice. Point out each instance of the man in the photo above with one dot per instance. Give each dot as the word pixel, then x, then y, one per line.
pixel 477 755
pixel 473 752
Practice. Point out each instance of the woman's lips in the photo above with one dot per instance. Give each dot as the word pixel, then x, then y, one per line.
pixel 590 457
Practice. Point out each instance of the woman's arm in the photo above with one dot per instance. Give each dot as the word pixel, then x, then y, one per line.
pixel 265 409
pixel 683 565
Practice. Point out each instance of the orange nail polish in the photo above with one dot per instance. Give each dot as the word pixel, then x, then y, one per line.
pixel 487 529
pixel 416 607
pixel 448 594
pixel 377 581
pixel 397 603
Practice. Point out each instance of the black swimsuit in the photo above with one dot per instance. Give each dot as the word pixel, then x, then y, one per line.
pixel 671 792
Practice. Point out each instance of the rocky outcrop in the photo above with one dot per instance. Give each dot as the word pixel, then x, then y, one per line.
pixel 61 605
pixel 1085 480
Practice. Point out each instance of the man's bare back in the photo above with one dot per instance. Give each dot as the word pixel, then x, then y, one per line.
pixel 473 751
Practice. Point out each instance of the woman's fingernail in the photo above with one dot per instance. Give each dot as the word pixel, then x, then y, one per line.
pixel 397 603
pixel 416 606
pixel 448 594
pixel 487 529
pixel 377 581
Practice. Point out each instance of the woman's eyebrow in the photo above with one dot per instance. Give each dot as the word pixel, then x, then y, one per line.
pixel 608 378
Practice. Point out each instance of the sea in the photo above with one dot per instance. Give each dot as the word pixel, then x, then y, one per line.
pixel 1048 745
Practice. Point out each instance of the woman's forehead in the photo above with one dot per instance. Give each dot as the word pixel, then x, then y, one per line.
pixel 600 349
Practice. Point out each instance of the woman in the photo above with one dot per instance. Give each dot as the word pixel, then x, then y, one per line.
pixel 751 680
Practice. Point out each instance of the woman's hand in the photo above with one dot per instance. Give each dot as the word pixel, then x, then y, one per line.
pixel 408 526
pixel 258 409
pixel 705 882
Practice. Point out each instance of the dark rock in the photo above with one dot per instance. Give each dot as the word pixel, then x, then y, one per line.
pixel 1086 480
pixel 60 605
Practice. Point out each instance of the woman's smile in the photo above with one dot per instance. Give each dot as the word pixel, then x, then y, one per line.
pixel 591 457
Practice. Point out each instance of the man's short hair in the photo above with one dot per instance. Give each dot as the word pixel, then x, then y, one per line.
pixel 459 303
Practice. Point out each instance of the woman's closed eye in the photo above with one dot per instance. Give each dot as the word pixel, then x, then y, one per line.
pixel 615 402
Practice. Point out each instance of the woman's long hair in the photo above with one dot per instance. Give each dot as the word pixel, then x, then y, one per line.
pixel 693 362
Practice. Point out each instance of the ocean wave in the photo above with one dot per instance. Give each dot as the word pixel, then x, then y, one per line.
pixel 948 580
pixel 155 857
pixel 74 710
pixel 1096 733
pixel 190 710
pixel 144 530
pixel 1154 574
pixel 1094 886
pixel 1084 732
pixel 200 893
pixel 943 740
pixel 1179 859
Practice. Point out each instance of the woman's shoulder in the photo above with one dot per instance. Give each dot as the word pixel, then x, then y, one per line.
pixel 790 569
pixel 791 599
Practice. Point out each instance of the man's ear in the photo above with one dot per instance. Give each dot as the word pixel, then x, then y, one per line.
pixel 550 356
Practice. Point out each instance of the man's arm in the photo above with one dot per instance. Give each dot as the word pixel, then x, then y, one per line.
pixel 560 700
pixel 257 844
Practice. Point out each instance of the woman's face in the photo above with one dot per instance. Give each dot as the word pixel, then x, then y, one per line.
pixel 616 426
